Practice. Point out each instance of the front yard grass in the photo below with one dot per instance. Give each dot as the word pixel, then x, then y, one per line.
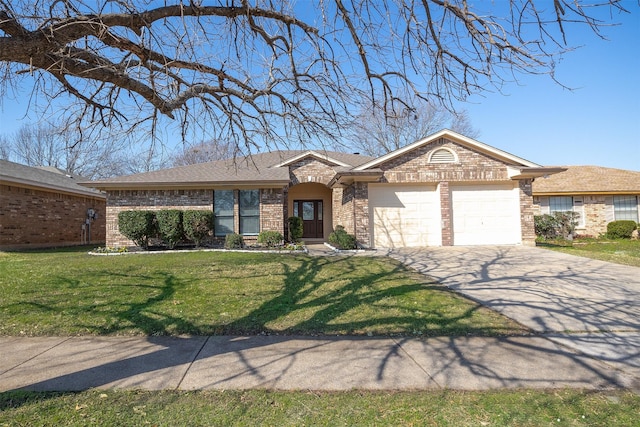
pixel 626 252
pixel 362 408
pixel 68 292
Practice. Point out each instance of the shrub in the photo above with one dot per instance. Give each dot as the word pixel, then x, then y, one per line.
pixel 170 226
pixel 138 226
pixel 270 238
pixel 341 239
pixel 557 225
pixel 197 225
pixel 233 241
pixel 295 228
pixel 622 229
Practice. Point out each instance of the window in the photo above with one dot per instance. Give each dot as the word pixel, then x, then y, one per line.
pixel 223 212
pixel 561 204
pixel 568 204
pixel 442 155
pixel 249 204
pixel 625 207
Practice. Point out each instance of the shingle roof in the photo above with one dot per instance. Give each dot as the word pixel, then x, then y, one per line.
pixel 589 179
pixel 44 178
pixel 257 167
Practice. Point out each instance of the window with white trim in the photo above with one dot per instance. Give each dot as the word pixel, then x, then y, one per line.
pixel 249 209
pixel 625 207
pixel 222 212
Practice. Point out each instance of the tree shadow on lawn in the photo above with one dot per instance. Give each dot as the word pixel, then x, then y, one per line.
pixel 162 362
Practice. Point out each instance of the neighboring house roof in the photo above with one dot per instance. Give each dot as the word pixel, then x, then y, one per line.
pixel 45 178
pixel 589 179
pixel 458 138
pixel 265 168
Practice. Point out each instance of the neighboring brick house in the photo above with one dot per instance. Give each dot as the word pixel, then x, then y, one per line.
pixel 599 195
pixel 44 207
pixel 445 189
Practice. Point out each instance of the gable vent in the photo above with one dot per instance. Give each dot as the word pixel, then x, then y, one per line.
pixel 442 155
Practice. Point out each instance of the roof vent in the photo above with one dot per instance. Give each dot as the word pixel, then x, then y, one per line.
pixel 442 155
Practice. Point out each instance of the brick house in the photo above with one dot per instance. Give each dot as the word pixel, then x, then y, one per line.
pixel 45 207
pixel 445 189
pixel 598 194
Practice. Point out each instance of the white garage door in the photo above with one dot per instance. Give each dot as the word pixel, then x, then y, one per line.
pixel 404 216
pixel 486 215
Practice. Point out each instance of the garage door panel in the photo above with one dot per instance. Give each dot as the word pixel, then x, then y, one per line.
pixel 404 216
pixel 486 215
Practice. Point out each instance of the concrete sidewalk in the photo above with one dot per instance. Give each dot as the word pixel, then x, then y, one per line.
pixel 299 363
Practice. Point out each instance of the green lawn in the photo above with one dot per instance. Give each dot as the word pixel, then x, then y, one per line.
pixel 68 292
pixel 273 408
pixel 625 252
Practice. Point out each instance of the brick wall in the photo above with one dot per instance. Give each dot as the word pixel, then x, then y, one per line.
pixel 446 214
pixel 310 170
pixel 361 209
pixel 272 215
pixel 526 213
pixel 126 200
pixel 32 217
pixel 597 213
pixel 472 166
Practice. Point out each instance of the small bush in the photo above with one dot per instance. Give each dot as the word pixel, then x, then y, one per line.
pixel 233 241
pixel 270 238
pixel 558 225
pixel 295 228
pixel 341 239
pixel 138 226
pixel 621 229
pixel 197 225
pixel 170 226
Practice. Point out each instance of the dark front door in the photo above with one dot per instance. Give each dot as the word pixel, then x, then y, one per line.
pixel 311 213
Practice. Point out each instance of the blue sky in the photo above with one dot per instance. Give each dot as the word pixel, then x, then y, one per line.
pixel 597 123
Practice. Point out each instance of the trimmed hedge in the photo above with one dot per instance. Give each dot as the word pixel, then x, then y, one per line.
pixel 341 239
pixel 138 226
pixel 170 226
pixel 270 238
pixel 296 229
pixel 197 225
pixel 622 229
pixel 233 241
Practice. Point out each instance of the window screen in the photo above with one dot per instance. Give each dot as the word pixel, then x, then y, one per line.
pixel 625 207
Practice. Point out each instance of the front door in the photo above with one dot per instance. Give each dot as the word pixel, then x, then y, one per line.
pixel 311 213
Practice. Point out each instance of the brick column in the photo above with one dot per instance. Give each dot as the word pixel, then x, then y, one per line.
pixel 526 213
pixel 361 211
pixel 445 214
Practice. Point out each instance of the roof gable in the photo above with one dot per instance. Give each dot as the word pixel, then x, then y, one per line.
pixel 313 154
pixel 457 138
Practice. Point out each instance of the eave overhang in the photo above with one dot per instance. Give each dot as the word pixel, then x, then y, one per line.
pixel 50 187
pixel 533 172
pixel 190 185
pixel 345 178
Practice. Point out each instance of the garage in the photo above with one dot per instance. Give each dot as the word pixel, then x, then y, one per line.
pixel 486 215
pixel 404 216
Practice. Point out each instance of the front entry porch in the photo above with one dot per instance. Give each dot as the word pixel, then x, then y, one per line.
pixel 312 203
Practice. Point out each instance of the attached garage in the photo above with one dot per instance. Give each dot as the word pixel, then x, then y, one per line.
pixel 486 215
pixel 404 216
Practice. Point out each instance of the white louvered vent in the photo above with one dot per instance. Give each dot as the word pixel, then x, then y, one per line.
pixel 442 156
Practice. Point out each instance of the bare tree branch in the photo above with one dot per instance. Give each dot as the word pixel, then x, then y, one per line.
pixel 258 71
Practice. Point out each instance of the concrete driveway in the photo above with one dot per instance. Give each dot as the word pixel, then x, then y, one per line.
pixel 589 305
